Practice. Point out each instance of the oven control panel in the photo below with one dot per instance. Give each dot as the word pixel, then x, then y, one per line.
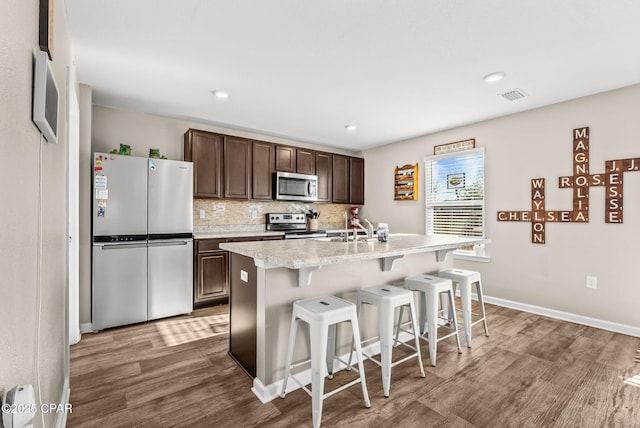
pixel 285 218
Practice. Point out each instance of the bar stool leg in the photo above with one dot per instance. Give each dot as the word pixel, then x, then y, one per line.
pixel 386 336
pixel 287 368
pixel 416 333
pixel 331 349
pixel 452 310
pixel 455 323
pixel 465 297
pixel 400 316
pixel 481 302
pixel 432 323
pixel 356 336
pixel 353 340
pixel 422 314
pixel 319 337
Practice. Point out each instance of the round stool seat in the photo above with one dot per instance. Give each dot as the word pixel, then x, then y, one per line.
pixel 329 309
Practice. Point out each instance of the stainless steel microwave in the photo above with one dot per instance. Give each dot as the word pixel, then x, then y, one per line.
pixel 289 186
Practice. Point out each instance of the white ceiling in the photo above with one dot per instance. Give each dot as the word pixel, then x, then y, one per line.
pixel 304 69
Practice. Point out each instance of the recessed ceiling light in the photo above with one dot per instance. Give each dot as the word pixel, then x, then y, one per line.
pixel 494 77
pixel 350 127
pixel 221 94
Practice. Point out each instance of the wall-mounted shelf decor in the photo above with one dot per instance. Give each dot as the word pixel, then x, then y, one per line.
pixel 405 186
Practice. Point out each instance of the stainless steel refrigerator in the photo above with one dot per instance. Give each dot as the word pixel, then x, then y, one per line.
pixel 142 239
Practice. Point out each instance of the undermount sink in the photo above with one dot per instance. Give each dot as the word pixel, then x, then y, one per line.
pixel 361 238
pixel 340 239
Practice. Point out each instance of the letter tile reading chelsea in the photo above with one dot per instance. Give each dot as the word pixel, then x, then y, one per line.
pixel 580 181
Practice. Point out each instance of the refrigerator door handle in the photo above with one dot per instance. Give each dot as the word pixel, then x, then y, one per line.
pixel 166 243
pixel 119 246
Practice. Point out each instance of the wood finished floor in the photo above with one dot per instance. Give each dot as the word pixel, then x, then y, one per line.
pixel 531 372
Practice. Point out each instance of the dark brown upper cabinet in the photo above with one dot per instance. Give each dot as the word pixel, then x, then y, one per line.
pixel 356 181
pixel 237 167
pixel 324 171
pixel 305 161
pixel 340 166
pixel 285 158
pixel 205 150
pixel 263 169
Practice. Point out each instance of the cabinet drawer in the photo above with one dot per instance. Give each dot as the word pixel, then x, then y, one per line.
pixel 205 245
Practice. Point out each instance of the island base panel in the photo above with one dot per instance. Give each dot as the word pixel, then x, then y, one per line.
pixel 243 312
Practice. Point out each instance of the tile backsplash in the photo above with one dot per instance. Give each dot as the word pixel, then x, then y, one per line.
pixel 227 215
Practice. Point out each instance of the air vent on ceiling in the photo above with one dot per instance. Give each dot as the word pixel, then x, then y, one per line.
pixel 513 95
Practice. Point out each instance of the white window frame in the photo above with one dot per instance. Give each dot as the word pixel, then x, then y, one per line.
pixel 478 253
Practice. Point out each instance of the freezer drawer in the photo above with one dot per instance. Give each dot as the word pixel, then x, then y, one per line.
pixel 119 285
pixel 170 278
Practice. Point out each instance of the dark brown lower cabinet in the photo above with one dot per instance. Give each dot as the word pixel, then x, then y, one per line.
pixel 243 313
pixel 211 282
pixel 211 269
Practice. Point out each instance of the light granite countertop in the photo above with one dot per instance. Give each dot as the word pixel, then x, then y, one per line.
pixel 312 253
pixel 232 234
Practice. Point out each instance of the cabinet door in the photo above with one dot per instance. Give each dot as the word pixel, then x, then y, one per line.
pixel 204 149
pixel 263 168
pixel 356 181
pixel 324 171
pixel 340 179
pixel 212 281
pixel 285 158
pixel 237 167
pixel 305 161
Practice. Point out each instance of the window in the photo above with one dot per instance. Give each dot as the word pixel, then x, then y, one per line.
pixel 454 194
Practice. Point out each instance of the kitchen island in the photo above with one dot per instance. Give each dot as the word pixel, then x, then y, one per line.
pixel 267 277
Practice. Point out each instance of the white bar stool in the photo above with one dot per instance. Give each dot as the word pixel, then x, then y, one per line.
pixel 430 288
pixel 387 298
pixel 466 278
pixel 322 314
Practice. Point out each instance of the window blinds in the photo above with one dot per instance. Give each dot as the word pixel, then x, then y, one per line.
pixel 454 193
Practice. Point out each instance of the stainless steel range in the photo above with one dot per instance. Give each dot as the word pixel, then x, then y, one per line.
pixel 294 226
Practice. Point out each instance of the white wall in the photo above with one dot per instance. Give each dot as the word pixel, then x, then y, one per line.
pixel 86 175
pixel 33 215
pixel 538 144
pixel 112 127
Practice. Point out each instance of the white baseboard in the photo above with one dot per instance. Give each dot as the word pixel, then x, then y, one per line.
pixel 266 393
pixel 86 327
pixel 565 316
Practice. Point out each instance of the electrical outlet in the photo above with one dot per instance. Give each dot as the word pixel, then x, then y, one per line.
pixel 201 213
pixel 254 215
pixel 592 282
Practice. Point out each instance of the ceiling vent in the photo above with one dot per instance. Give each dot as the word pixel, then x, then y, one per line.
pixel 514 95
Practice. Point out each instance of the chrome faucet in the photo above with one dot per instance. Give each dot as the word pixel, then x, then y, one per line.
pixel 370 229
pixel 345 215
pixel 360 226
